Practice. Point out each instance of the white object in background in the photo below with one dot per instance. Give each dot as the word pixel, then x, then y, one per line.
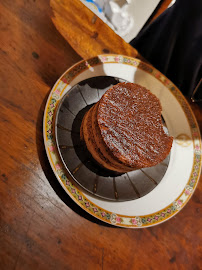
pixel 116 13
pixel 172 2
pixel 125 17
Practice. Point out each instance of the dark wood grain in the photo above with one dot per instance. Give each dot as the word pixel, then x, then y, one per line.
pixel 40 226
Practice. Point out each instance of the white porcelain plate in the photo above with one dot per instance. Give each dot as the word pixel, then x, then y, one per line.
pixel 182 174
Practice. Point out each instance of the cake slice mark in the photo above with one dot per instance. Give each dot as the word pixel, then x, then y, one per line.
pixel 149 177
pixel 82 96
pixel 63 128
pixel 115 189
pixel 134 187
pixel 95 184
pixel 77 168
pixel 67 146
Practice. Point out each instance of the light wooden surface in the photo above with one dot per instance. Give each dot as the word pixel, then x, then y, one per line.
pixel 85 32
pixel 40 226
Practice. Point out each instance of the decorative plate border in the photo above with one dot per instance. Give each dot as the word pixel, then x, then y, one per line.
pixel 73 191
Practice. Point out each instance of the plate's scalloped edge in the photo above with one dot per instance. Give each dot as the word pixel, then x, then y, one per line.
pixel 73 191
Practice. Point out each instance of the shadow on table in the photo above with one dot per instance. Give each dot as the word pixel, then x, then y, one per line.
pixel 50 174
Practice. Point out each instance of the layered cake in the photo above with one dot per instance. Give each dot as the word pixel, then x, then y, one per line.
pixel 124 131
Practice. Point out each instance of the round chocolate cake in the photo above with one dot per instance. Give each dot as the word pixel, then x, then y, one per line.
pixel 124 130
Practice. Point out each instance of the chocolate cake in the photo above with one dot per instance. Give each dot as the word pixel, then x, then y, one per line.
pixel 124 131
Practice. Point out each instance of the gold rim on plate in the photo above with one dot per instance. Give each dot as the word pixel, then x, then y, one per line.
pixel 64 84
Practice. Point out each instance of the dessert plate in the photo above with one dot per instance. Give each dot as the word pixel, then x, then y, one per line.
pixel 180 177
pixel 79 162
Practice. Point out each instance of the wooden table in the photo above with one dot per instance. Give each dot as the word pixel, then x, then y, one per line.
pixel 40 226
